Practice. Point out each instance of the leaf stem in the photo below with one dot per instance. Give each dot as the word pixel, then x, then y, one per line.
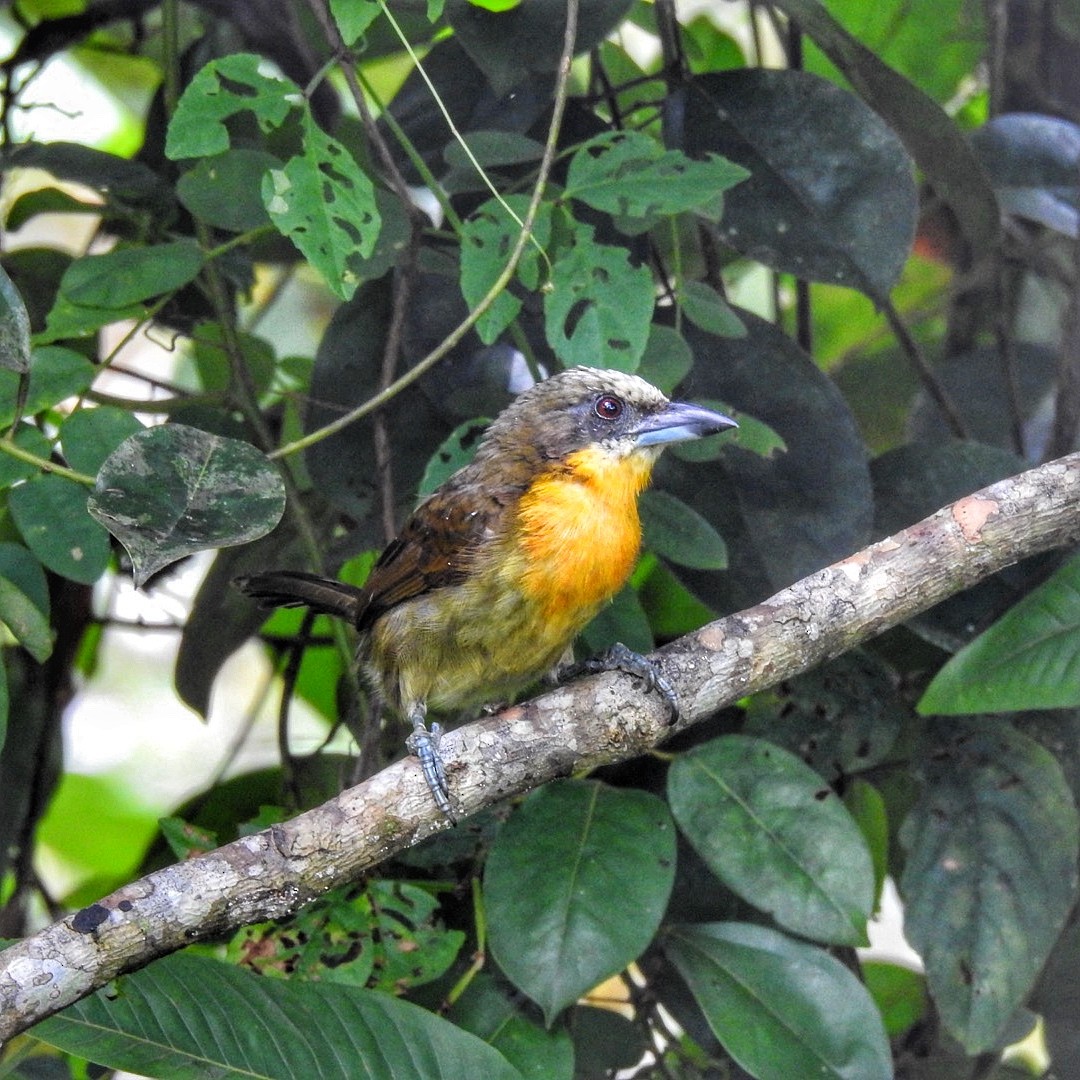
pixel 12 449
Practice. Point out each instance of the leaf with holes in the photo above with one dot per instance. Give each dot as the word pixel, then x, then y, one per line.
pixel 600 306
pixel 774 832
pixel 169 491
pixel 486 242
pixel 630 175
pixel 223 89
pixel 323 201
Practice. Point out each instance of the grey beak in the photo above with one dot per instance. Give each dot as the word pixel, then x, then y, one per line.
pixel 680 421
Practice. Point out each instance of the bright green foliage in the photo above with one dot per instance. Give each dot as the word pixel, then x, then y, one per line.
pixel 1029 658
pixel 263 243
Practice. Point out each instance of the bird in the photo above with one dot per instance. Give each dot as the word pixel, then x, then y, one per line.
pixel 494 574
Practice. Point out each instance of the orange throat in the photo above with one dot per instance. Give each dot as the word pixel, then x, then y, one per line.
pixel 580 533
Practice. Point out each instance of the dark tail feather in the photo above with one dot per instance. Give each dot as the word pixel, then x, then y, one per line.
pixel 291 588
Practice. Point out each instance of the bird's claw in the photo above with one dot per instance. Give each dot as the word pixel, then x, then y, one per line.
pixel 619 658
pixel 424 743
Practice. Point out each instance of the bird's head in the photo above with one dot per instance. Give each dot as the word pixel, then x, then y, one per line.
pixel 609 413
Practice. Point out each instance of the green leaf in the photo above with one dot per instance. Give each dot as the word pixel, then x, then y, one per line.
pixel 14 327
pixel 28 437
pixel 771 829
pixel 575 887
pixel 667 359
pixel 675 532
pixel 130 275
pixel 89 435
pixel 383 936
pixel 898 992
pixel 867 809
pixel 990 874
pixel 223 89
pixel 51 513
pixel 781 1008
pixel 1029 658
pixel 56 373
pixel 492 149
pixel 24 601
pixel 188 1016
pixel 226 190
pixel 353 17
pixel 629 174
pixel 831 196
pixel 456 451
pixel 169 491
pixel 599 309
pixel 706 308
pixel 486 1009
pixel 324 202
pixel 486 242
pixel 623 620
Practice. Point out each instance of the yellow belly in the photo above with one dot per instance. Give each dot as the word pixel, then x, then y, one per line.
pixel 572 547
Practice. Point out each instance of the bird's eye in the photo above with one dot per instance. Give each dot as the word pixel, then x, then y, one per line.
pixel 608 407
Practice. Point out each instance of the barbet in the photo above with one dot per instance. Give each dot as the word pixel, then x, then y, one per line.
pixel 494 574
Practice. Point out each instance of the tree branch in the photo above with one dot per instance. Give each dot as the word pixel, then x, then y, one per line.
pixel 593 721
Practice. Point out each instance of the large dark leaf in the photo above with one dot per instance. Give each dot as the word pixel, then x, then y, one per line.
pixel 188 1016
pixel 931 136
pixel 990 874
pixel 1033 161
pixel 783 516
pixel 14 327
pixel 842 717
pixel 831 196
pixel 575 886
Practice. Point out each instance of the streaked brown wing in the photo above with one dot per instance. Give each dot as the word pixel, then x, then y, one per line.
pixel 434 549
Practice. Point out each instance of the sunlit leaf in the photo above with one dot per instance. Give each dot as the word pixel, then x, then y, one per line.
pixel 324 202
pixel 600 306
pixel 222 89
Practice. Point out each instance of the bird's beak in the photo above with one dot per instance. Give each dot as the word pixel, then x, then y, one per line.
pixel 679 422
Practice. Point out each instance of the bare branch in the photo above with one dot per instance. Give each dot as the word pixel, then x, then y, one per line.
pixel 596 720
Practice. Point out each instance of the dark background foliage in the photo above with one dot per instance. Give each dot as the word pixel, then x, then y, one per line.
pixel 854 226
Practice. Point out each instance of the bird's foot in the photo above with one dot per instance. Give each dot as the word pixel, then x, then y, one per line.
pixel 424 743
pixel 619 658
